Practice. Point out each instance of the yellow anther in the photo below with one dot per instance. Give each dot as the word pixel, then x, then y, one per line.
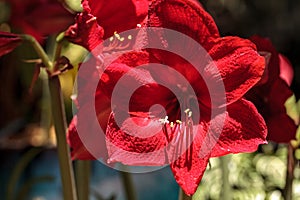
pixel 171 124
pixel 178 121
pixel 111 39
pixel 117 35
pixel 129 37
pixel 190 114
pixel 122 39
pixel 164 121
pixel 73 97
pixel 187 110
pixel 139 25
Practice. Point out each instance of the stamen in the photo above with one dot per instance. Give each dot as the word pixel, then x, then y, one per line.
pixel 90 20
pixel 180 135
pixel 172 125
pixel 73 97
pixel 190 149
pixel 139 25
pixel 117 35
pixel 178 121
pixel 164 121
pixel 115 45
pixel 187 110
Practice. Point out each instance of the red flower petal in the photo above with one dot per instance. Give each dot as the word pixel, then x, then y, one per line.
pixel 286 69
pixel 138 88
pixel 277 96
pixel 244 129
pixel 86 31
pixel 187 17
pixel 8 42
pixel 88 144
pixel 239 64
pixel 118 15
pixel 188 178
pixel 281 127
pixel 78 150
pixel 264 44
pixel 138 140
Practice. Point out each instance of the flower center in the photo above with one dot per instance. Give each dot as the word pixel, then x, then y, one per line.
pixel 180 135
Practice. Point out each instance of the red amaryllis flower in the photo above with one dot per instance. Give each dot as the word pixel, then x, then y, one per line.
pixel 146 134
pixel 8 42
pixel 39 18
pixel 270 94
pixel 101 19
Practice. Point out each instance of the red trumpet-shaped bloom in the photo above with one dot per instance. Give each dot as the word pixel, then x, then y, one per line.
pixel 172 117
pixel 271 93
pixel 39 18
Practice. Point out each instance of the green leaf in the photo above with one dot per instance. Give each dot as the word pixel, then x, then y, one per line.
pixel 297 154
pixel 292 108
pixel 74 5
pixel 298 133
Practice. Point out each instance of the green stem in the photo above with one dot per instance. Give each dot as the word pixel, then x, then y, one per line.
pixel 59 118
pixel 128 185
pixel 46 113
pixel 82 172
pixel 226 189
pixel 39 50
pixel 183 196
pixel 288 189
pixel 58 47
pixel 60 125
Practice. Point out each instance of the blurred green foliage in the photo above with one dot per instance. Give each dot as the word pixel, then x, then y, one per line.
pixel 259 175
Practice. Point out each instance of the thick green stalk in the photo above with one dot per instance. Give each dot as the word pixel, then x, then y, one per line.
pixel 82 173
pixel 183 196
pixel 226 189
pixel 39 50
pixel 59 118
pixel 128 185
pixel 58 48
pixel 288 189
